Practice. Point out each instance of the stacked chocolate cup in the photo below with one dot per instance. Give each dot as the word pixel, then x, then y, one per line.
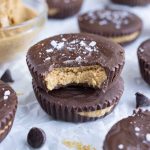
pixel 76 77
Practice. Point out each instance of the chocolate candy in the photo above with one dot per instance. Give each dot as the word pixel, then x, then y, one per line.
pixel 144 60
pixel 63 8
pixel 8 105
pixel 36 137
pixel 119 25
pixel 78 103
pixel 68 59
pixel 132 133
pixel 142 100
pixel 6 77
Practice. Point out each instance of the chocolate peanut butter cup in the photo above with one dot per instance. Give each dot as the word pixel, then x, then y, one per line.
pixel 63 8
pixel 144 60
pixel 132 2
pixel 121 26
pixel 75 59
pixel 8 105
pixel 132 133
pixel 79 104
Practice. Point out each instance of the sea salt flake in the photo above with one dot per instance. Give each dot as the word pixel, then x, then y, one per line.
pixel 93 43
pixel 137 129
pixel 78 59
pixel 49 50
pixel 60 45
pixel 148 137
pixel 5 97
pixel 7 93
pixel 141 50
pixel 48 58
pixel 63 39
pixel 54 43
pixel 121 146
pixel 89 49
pixel 82 43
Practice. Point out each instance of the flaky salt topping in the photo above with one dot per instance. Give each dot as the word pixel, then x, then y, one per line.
pixel 81 47
pixel 117 18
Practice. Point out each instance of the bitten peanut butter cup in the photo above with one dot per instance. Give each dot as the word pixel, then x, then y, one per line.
pixel 132 2
pixel 68 59
pixel 132 133
pixel 121 26
pixel 8 105
pixel 144 60
pixel 79 104
pixel 63 8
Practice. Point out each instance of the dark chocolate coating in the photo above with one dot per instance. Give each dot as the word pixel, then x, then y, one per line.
pixel 36 137
pixel 6 77
pixel 75 50
pixel 132 2
pixel 144 60
pixel 132 133
pixel 110 23
pixel 8 105
pixel 65 103
pixel 142 100
pixel 66 8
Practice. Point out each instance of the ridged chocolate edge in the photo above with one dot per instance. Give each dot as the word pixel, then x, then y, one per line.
pixel 70 114
pixel 112 75
pixel 144 68
pixel 132 2
pixel 68 11
pixel 110 35
pixel 5 122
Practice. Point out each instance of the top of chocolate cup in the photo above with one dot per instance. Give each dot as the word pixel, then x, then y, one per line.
pixel 110 22
pixel 144 51
pixel 75 50
pixel 130 133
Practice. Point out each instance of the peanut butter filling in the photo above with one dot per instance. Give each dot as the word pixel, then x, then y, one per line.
pixel 14 12
pixel 91 75
pixel 53 11
pixel 5 128
pixel 126 38
pixel 97 113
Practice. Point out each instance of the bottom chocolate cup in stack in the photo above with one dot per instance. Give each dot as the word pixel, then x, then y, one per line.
pixel 8 105
pixel 79 104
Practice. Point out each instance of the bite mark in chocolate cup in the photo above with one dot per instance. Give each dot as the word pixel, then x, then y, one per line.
pixel 75 59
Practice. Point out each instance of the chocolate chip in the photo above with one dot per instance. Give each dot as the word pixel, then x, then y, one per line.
pixel 36 137
pixel 142 100
pixel 6 77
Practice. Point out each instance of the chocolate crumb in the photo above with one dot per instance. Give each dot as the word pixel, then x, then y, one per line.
pixel 6 77
pixel 142 100
pixel 36 137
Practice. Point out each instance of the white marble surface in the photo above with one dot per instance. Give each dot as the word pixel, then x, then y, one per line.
pixel 29 113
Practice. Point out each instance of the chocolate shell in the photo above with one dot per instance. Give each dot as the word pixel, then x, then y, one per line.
pixel 132 133
pixel 65 50
pixel 8 106
pixel 79 104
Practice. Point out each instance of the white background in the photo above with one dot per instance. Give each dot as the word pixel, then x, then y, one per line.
pixel 29 113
